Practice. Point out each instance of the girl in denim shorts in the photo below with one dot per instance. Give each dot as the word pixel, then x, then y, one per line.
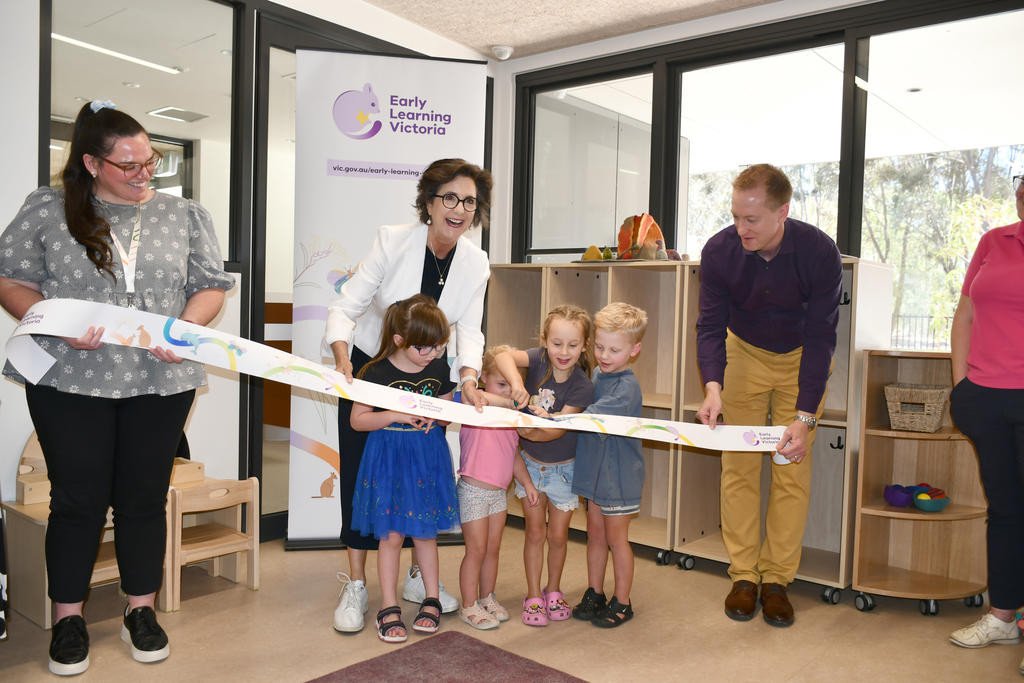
pixel 557 381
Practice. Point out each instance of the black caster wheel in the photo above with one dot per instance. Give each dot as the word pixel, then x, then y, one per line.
pixel 664 557
pixel 929 608
pixel 864 602
pixel 831 595
pixel 974 600
pixel 686 562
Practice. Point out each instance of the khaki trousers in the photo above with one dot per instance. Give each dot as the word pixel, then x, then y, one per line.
pixel 759 383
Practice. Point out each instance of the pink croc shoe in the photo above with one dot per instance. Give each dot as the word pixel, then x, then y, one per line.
pixel 558 609
pixel 533 612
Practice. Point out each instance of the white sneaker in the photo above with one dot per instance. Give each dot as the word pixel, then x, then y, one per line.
pixel 415 591
pixel 989 630
pixel 348 616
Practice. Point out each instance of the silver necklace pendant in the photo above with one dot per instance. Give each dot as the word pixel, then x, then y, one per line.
pixel 440 281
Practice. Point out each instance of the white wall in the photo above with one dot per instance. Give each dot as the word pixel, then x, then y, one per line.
pixel 19 45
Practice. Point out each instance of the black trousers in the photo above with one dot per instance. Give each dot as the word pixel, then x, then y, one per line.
pixel 100 453
pixel 993 419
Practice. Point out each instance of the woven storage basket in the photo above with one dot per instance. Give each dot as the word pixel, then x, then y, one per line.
pixel 915 407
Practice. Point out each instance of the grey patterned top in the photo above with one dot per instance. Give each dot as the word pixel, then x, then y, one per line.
pixel 178 256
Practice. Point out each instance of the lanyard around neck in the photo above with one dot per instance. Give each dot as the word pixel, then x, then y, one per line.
pixel 129 258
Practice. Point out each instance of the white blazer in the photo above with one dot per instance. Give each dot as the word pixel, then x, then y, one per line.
pixel 392 271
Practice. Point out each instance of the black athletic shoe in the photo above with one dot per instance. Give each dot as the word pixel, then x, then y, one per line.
pixel 69 647
pixel 592 604
pixel 148 640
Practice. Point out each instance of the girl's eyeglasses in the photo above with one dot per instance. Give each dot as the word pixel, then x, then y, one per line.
pixel 427 350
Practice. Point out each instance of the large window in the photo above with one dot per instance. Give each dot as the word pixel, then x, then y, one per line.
pixel 785 110
pixel 898 122
pixel 943 138
pixel 591 165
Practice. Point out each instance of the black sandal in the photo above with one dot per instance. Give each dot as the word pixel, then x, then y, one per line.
pixel 424 614
pixel 615 614
pixel 384 628
pixel 592 604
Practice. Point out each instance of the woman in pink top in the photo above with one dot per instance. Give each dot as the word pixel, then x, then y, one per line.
pixel 987 405
pixel 487 462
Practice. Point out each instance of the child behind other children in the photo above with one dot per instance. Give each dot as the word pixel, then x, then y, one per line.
pixel 487 463
pixel 610 469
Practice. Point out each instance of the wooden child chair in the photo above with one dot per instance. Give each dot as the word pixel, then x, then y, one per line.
pixel 222 499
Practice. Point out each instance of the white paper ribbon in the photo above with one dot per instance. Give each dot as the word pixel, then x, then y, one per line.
pixel 126 327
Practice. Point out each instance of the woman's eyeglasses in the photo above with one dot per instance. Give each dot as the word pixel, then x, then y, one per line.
pixel 427 350
pixel 132 169
pixel 450 200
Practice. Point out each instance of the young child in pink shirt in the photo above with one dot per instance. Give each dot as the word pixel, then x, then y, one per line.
pixel 487 463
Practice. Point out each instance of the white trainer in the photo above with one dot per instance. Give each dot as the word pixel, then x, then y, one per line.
pixel 989 630
pixel 414 591
pixel 348 616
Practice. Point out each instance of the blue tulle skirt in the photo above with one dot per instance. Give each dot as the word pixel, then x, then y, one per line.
pixel 405 484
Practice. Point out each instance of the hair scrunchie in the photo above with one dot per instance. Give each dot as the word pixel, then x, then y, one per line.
pixel 96 105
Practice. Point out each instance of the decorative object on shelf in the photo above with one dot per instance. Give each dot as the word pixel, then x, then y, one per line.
pixel 898 496
pixel 915 407
pixel 924 496
pixel 640 238
pixel 932 500
pixel 593 253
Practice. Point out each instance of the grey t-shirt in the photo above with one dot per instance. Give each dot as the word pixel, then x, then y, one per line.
pixel 177 256
pixel 577 391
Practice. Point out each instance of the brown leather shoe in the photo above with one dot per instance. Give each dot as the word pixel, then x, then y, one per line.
pixel 775 607
pixel 741 603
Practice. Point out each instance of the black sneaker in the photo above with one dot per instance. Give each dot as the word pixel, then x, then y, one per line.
pixel 148 640
pixel 592 604
pixel 69 647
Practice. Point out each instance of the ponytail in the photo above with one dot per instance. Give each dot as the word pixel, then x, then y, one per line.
pixel 96 128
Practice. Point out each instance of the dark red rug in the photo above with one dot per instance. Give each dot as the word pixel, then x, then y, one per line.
pixel 448 656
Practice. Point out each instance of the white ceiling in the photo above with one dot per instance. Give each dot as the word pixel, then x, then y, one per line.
pixel 190 34
pixel 533 26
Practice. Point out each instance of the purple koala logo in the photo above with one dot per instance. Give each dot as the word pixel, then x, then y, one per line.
pixel 352 112
pixel 750 437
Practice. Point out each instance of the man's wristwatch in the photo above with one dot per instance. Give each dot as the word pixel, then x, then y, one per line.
pixel 468 378
pixel 811 422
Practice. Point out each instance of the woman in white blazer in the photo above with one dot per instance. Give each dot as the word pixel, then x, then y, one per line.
pixel 432 257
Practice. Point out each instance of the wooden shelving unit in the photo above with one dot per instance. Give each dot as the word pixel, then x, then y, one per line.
pixel 680 512
pixel 905 552
pixel 864 322
pixel 518 298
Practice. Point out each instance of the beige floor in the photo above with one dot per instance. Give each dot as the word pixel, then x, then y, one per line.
pixel 283 632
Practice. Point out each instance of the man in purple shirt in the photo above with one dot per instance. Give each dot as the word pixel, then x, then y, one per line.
pixel 769 304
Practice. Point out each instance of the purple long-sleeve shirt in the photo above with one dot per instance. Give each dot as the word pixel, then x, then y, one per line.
pixel 778 305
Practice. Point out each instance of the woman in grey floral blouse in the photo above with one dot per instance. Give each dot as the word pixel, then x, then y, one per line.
pixel 109 418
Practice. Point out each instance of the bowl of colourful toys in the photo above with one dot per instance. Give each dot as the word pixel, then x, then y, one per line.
pixel 923 496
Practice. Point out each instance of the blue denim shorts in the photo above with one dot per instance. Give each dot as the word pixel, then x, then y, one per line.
pixel 554 481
